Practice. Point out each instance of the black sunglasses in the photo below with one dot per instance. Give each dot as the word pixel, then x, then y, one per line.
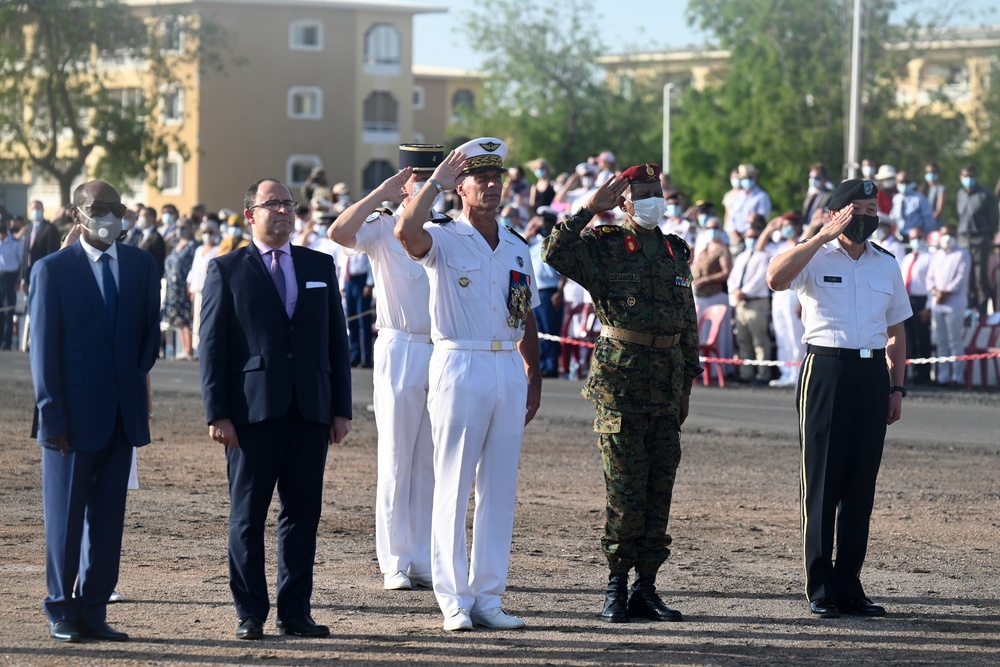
pixel 99 208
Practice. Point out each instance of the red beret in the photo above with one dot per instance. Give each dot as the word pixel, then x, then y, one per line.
pixel 643 173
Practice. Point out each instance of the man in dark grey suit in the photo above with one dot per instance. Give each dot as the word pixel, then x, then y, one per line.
pixel 276 384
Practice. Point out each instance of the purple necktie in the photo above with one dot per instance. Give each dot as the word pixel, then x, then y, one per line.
pixel 278 275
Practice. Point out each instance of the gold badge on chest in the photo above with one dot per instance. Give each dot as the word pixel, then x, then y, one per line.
pixel 463 281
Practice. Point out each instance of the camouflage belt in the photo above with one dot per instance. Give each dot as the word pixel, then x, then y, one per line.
pixel 649 340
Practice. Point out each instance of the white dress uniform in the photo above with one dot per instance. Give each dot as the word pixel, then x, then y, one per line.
pixel 477 400
pixel 788 328
pixel 405 487
pixel 949 273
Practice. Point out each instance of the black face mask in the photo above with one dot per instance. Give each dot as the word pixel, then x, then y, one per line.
pixel 861 227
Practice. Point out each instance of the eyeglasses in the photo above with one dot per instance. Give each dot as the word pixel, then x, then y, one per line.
pixel 276 205
pixel 99 208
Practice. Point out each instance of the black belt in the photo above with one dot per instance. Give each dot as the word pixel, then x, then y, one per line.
pixel 846 353
pixel 757 298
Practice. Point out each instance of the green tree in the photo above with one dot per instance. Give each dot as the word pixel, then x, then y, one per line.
pixel 62 100
pixel 545 93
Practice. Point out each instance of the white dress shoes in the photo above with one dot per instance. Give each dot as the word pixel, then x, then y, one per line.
pixel 458 620
pixel 396 581
pixel 420 579
pixel 497 619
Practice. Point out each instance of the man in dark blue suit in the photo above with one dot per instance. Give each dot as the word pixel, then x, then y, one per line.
pixel 94 311
pixel 276 384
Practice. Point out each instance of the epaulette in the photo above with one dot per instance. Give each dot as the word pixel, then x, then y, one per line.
pixel 441 218
pixel 378 213
pixel 511 230
pixel 881 249
pixel 680 245
pixel 605 230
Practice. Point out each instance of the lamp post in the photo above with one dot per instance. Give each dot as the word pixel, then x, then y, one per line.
pixel 854 112
pixel 667 88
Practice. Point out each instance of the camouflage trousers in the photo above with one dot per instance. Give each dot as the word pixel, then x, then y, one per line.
pixel 641 453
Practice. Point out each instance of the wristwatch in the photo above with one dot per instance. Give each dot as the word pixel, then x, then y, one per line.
pixel 901 389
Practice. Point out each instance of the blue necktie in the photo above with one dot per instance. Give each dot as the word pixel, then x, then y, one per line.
pixel 110 289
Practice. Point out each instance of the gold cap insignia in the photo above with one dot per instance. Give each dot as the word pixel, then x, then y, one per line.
pixel 491 146
pixel 649 170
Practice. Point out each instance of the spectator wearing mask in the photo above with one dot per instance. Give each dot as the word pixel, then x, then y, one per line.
pixel 910 207
pixel 674 221
pixel 934 190
pixel 208 233
pixel 510 215
pixel 177 301
pixel 867 169
pixel 978 222
pixel 516 192
pixel 948 285
pixel 786 312
pixel 41 238
pixel 548 314
pixel 820 189
pixel 918 326
pixel 751 297
pixel 751 199
pixel 576 189
pixel 711 268
pixel 11 255
pixel 885 238
pixel 543 191
pixel 607 163
pixel 729 202
pixel 236 235
pixel 885 179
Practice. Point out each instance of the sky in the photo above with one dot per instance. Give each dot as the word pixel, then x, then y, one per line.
pixel 439 41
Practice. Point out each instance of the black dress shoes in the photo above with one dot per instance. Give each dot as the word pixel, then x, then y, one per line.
pixel 250 627
pixel 64 631
pixel 301 626
pixel 101 630
pixel 824 608
pixel 861 607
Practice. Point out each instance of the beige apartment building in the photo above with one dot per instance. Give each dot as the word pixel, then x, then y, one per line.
pixel 953 65
pixel 306 83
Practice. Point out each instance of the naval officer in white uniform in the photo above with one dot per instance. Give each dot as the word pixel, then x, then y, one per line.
pixel 485 383
pixel 405 488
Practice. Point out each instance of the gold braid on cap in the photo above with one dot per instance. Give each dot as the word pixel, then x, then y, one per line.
pixel 482 161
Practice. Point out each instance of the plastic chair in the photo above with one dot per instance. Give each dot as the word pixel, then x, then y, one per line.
pixel 709 328
pixel 986 338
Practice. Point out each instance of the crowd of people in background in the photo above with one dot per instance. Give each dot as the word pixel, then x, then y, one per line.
pixel 943 234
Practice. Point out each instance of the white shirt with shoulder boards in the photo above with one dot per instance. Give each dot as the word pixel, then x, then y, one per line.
pixel 848 303
pixel 470 282
pixel 402 290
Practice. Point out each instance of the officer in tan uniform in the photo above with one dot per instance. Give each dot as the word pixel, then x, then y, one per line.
pixel 643 366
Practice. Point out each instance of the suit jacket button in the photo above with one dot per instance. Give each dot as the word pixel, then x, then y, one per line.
pixel 289 355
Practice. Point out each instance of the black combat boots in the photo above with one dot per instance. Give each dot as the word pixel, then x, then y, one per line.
pixel 615 604
pixel 643 602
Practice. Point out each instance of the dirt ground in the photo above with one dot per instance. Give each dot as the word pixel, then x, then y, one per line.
pixel 735 573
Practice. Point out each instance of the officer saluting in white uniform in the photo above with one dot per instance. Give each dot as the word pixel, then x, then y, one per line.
pixel 405 488
pixel 850 388
pixel 485 383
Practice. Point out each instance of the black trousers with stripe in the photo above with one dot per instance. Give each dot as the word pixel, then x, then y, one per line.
pixel 842 406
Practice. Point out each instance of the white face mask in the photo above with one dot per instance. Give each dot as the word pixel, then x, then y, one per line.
pixel 106 228
pixel 417 186
pixel 648 211
pixel 947 242
pixel 37 215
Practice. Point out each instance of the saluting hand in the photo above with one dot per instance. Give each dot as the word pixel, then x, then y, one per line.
pixel 608 196
pixel 838 223
pixel 392 187
pixel 448 171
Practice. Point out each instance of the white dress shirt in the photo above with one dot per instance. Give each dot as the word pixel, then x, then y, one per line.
pixel 915 265
pixel 94 255
pixel 848 303
pixel 470 282
pixel 949 273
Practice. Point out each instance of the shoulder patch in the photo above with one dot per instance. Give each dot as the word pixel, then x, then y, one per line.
pixel 378 213
pixel 680 246
pixel 511 230
pixel 881 249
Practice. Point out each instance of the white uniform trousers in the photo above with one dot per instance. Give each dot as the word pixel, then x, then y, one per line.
pixel 477 407
pixel 948 334
pixel 405 489
pixel 788 332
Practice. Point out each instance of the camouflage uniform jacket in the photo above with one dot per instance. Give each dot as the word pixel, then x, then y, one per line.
pixel 641 283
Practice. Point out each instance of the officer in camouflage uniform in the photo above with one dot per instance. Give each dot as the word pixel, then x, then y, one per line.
pixel 643 366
